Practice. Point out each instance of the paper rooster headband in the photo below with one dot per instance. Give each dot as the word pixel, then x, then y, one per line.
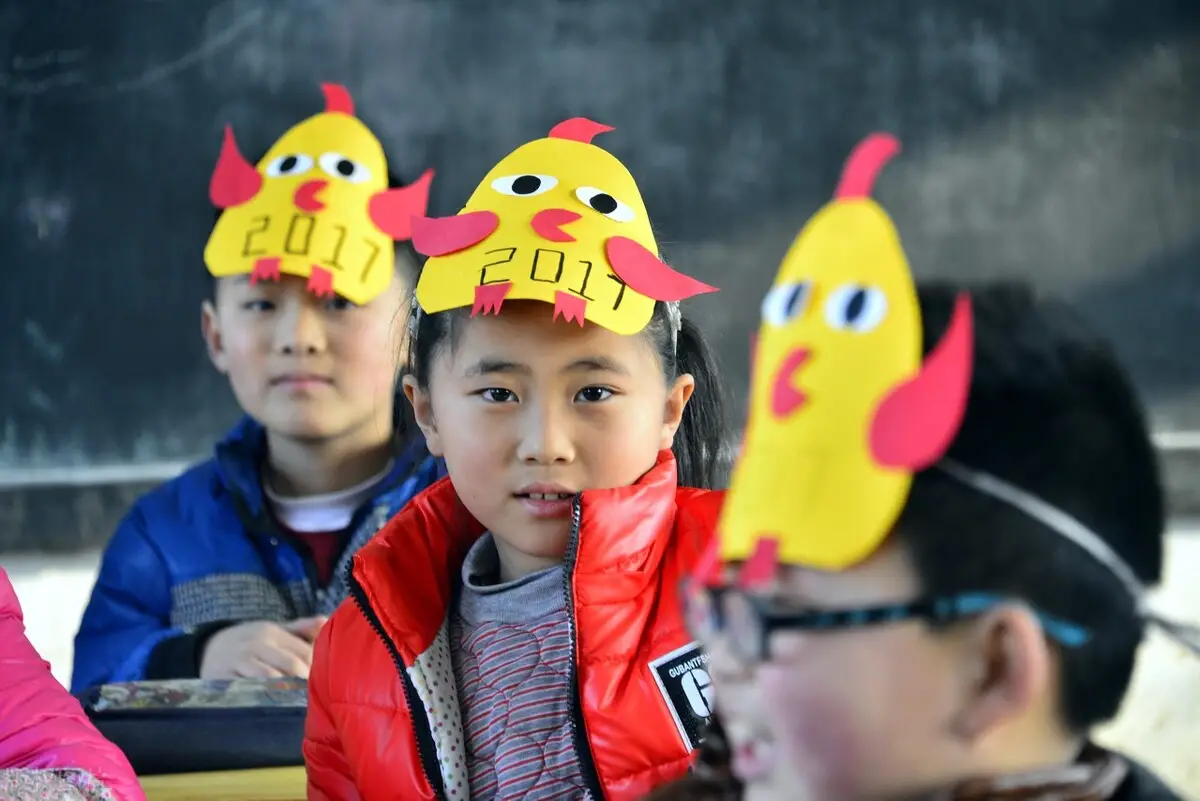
pixel 317 206
pixel 557 220
pixel 842 411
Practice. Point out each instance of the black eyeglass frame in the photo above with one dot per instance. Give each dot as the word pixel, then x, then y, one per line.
pixel 753 644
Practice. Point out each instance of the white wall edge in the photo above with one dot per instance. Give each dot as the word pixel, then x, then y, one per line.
pixel 89 475
pixel 1177 440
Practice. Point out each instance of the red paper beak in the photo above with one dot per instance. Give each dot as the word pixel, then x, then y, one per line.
pixel 306 198
pixel 786 397
pixel 548 224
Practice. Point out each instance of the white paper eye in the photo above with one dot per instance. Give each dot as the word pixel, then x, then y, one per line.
pixel 338 166
pixel 526 185
pixel 853 307
pixel 604 203
pixel 289 164
pixel 785 302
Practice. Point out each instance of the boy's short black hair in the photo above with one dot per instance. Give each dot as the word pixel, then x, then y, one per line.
pixel 1052 411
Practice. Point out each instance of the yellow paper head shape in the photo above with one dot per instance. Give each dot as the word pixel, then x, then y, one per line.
pixel 842 411
pixel 317 205
pixel 557 220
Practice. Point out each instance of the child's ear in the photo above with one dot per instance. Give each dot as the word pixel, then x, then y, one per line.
pixel 678 395
pixel 1007 671
pixel 210 329
pixel 423 414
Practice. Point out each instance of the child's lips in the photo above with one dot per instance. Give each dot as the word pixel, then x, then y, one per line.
pixel 546 500
pixel 753 759
pixel 546 508
pixel 301 380
pixel 752 752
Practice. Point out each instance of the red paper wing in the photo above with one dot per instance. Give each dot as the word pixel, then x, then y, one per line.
pixel 647 274
pixel 393 210
pixel 440 236
pixel 915 424
pixel 234 181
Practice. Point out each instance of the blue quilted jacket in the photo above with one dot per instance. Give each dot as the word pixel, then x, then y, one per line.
pixel 201 552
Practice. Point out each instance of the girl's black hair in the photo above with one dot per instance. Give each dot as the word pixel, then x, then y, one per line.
pixel 703 453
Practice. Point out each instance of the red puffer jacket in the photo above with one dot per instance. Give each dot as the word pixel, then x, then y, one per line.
pixel 383 715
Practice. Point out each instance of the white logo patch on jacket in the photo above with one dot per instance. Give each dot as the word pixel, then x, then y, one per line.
pixel 682 678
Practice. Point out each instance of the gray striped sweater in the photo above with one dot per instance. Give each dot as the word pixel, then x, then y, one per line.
pixel 512 656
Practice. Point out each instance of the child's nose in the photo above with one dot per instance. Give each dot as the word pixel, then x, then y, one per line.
pixel 301 330
pixel 546 437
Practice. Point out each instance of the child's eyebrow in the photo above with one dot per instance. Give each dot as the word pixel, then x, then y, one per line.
pixel 486 366
pixel 594 363
pixel 490 366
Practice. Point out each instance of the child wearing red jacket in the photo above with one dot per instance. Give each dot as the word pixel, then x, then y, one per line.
pixel 516 631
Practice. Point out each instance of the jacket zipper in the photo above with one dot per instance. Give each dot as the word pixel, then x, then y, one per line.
pixel 260 530
pixel 264 525
pixel 426 749
pixel 583 748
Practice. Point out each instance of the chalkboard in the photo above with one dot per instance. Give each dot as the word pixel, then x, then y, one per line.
pixel 1056 141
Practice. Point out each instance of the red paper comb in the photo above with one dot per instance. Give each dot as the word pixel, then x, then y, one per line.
pixel 579 129
pixel 864 165
pixel 337 99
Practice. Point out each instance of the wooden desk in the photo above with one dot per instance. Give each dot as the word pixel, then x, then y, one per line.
pixel 267 784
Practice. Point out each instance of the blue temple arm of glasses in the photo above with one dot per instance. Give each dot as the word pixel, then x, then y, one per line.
pixel 1064 632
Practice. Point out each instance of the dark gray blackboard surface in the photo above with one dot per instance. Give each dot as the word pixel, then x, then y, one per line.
pixel 1054 141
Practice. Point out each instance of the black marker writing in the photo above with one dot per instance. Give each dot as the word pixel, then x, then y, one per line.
pixel 288 245
pixel 587 274
pixel 544 262
pixel 483 279
pixel 335 259
pixel 537 259
pixel 258 226
pixel 620 292
pixel 366 270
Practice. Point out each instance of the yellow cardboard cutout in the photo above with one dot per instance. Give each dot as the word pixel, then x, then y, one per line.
pixel 541 226
pixel 310 211
pixel 841 328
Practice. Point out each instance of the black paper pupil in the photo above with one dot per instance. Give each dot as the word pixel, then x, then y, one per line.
pixel 345 167
pixel 288 164
pixel 795 295
pixel 527 184
pixel 605 204
pixel 856 304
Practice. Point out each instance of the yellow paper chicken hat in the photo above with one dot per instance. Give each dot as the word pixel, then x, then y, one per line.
pixel 557 220
pixel 842 410
pixel 317 205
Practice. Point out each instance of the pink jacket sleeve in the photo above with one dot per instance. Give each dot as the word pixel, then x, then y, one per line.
pixel 41 725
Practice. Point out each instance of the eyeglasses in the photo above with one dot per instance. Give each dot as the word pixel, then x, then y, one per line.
pixel 749 620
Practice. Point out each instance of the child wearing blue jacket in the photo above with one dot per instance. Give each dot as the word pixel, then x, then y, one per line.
pixel 230 569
